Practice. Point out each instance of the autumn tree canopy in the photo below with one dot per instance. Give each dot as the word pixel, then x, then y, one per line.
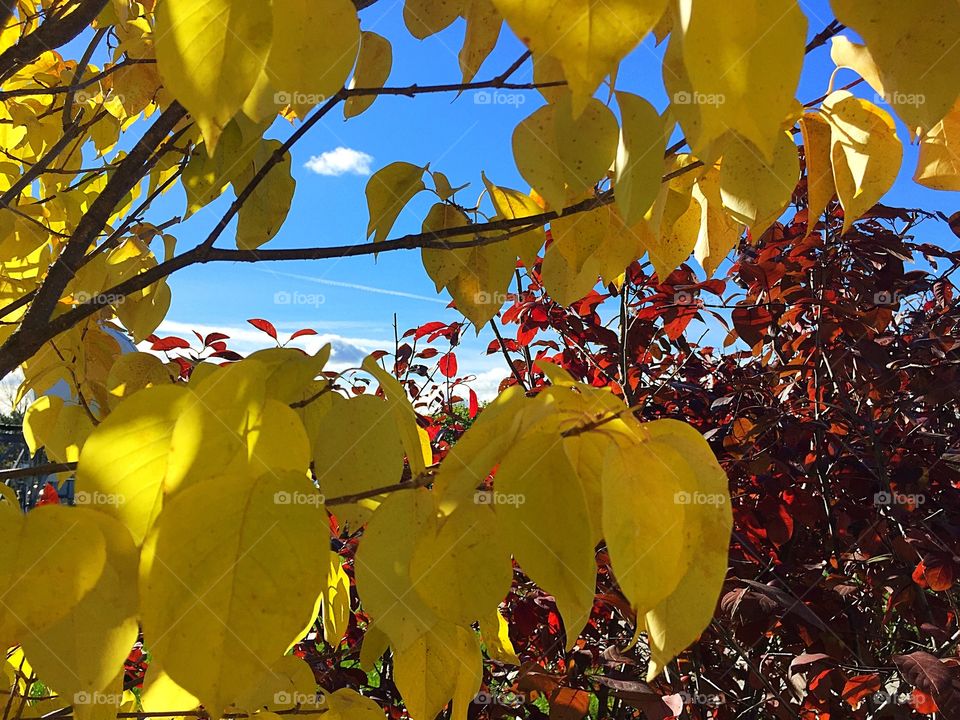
pixel 106 105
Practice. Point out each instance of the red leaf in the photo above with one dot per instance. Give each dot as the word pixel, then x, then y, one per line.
pixel 227 355
pixel 448 365
pixel 214 337
pixel 264 326
pixel 169 343
pixel 301 333
pixel 48 496
pixel 474 403
pixel 427 329
pixel 859 687
pixel 922 703
pixel 428 353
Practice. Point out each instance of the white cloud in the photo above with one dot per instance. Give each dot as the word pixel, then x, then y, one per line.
pixel 341 161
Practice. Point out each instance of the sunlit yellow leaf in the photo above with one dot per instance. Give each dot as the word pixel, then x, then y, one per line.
pixel 483 31
pixel 817 151
pixel 373 69
pixel 756 192
pixel 588 37
pixel 388 192
pixel 424 18
pixel 643 140
pixel 743 62
pixel 915 50
pixel 938 166
pixel 266 208
pixel 559 155
pixel 210 53
pixel 315 45
pixel 212 623
pixel 865 152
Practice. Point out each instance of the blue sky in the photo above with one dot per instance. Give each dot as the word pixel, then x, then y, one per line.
pixel 355 299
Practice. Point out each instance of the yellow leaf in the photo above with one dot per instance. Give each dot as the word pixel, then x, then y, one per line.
pixel 210 53
pixel 315 45
pixel 817 151
pixel 554 151
pixel 416 442
pixel 463 569
pixel 677 620
pixel 373 69
pixel 286 683
pixel 141 312
pixel 443 265
pixel 938 166
pixel 347 704
pixel 382 567
pixel 756 192
pixel 916 53
pixel 719 233
pixel 358 446
pixel 643 141
pixel 469 673
pixel 588 37
pixel 212 623
pixel 290 371
pixel 266 208
pixel 427 671
pixel 675 216
pixel 81 654
pixel 644 524
pixel 542 506
pixel 374 644
pixel 123 465
pixel 512 204
pixel 730 52
pixel 388 192
pixel 496 638
pixel 865 152
pixel 60 428
pixel 424 18
pixel 483 31
pixel 50 560
pixel 847 54
pixel 336 602
pixel 161 693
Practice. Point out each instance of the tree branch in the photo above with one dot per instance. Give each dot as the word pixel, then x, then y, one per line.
pixel 50 35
